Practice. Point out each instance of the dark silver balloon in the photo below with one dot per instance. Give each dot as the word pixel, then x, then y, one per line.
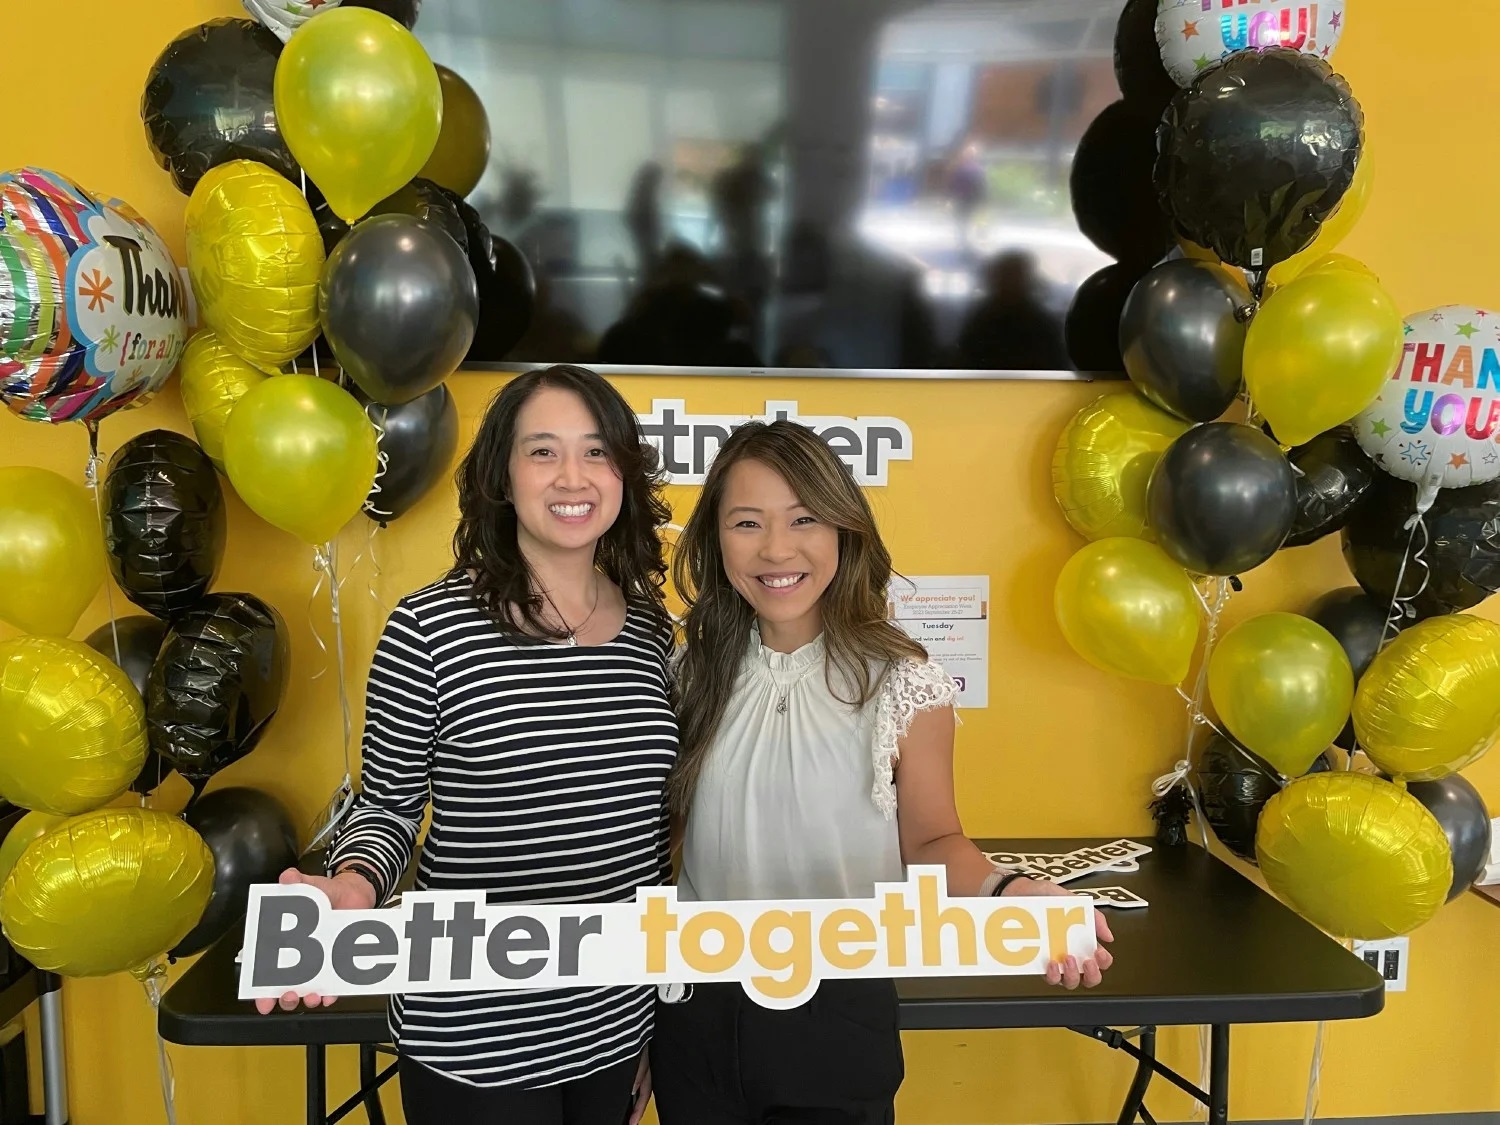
pixel 1222 499
pixel 398 303
pixel 1357 621
pixel 1182 337
pixel 1466 822
pixel 418 439
pixel 139 639
pixel 1335 476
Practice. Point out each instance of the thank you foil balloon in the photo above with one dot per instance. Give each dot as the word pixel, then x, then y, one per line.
pixel 1192 35
pixel 91 304
pixel 1436 421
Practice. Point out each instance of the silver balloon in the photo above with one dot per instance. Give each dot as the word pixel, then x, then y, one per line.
pixel 399 306
pixel 1182 336
pixel 1466 822
pixel 418 440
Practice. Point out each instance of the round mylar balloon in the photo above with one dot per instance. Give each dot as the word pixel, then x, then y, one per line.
pixel 107 892
pixel 1103 462
pixel 285 16
pixel 30 828
pixel 74 726
pixel 1355 855
pixel 1429 704
pixel 1192 35
pixel 51 550
pixel 1436 421
pixel 212 378
pixel 91 303
pixel 254 256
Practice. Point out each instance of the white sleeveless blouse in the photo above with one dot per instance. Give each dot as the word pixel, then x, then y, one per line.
pixel 797 798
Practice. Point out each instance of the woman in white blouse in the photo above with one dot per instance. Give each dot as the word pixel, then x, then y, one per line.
pixel 815 760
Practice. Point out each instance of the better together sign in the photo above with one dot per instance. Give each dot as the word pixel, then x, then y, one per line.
pixel 446 941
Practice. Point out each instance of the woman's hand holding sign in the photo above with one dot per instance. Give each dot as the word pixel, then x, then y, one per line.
pixel 1068 973
pixel 348 890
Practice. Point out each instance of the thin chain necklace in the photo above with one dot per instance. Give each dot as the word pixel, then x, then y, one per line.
pixel 573 630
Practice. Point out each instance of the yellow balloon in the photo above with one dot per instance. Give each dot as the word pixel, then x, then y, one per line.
pixel 1199 253
pixel 72 726
pixel 1355 855
pixel 1335 228
pixel 107 892
pixel 301 453
pixel 1103 462
pixel 254 257
pixel 359 104
pixel 212 379
pixel 1127 608
pixel 28 829
pixel 1319 351
pixel 463 146
pixel 51 550
pixel 1429 704
pixel 1333 263
pixel 1282 685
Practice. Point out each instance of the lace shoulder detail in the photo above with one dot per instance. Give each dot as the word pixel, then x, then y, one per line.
pixel 911 686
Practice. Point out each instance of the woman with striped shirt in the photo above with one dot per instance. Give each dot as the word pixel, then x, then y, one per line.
pixel 524 696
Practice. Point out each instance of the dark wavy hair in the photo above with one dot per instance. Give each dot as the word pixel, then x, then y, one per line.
pixel 630 552
pixel 857 630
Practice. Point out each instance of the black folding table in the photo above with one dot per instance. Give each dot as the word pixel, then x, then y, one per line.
pixel 1211 949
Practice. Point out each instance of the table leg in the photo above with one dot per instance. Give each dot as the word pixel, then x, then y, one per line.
pixel 1135 1100
pixel 1218 1075
pixel 54 1066
pixel 369 1066
pixel 317 1084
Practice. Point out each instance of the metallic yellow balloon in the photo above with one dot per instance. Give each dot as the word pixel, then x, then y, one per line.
pixel 1282 685
pixel 1127 608
pixel 301 453
pixel 1355 855
pixel 254 257
pixel 463 146
pixel 106 892
pixel 1103 462
pixel 212 379
pixel 1334 262
pixel 26 831
pixel 359 104
pixel 1429 704
pixel 1335 228
pixel 51 550
pixel 72 726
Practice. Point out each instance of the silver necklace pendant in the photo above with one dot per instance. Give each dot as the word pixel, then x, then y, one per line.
pixel 572 641
pixel 781 706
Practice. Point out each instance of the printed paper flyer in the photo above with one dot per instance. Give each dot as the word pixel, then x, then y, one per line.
pixel 950 616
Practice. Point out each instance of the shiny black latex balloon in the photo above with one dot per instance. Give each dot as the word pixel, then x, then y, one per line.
pixel 1461 811
pixel 139 639
pixel 506 285
pixel 216 684
pixel 1091 329
pixel 209 99
pixel 404 12
pixel 1182 337
pixel 1233 787
pixel 1221 499
pixel 164 521
pixel 1358 623
pixel 1336 475
pixel 1458 567
pixel 1142 78
pixel 1256 153
pixel 421 199
pixel 418 439
pixel 1114 202
pixel 253 840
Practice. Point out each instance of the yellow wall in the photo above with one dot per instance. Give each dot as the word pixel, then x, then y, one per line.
pixel 1062 749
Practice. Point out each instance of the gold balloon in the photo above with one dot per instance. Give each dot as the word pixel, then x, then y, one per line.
pixel 1319 351
pixel 72 726
pixel 107 892
pixel 51 550
pixel 1127 608
pixel 463 146
pixel 359 104
pixel 1282 684
pixel 28 829
pixel 1103 463
pixel 301 453
pixel 213 378
pixel 254 257
pixel 1355 855
pixel 1429 704
pixel 1335 228
pixel 1331 263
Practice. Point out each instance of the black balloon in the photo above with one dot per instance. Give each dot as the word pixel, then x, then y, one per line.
pixel 418 439
pixel 1114 202
pixel 1092 326
pixel 1459 563
pixel 1358 623
pixel 1256 153
pixel 253 840
pixel 209 99
pixel 1182 337
pixel 164 521
pixel 1461 811
pixel 1221 499
pixel 217 683
pixel 1142 78
pixel 506 284
pixel 1336 475
pixel 421 199
pixel 404 12
pixel 1233 787
pixel 139 639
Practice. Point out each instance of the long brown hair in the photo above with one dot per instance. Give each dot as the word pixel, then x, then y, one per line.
pixel 630 552
pixel 716 625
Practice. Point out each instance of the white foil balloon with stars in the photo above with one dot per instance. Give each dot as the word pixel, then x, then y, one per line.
pixel 1194 34
pixel 285 16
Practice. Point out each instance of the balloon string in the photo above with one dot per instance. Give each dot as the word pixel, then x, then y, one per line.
pixel 316 373
pixel 1180 775
pixel 1314 1076
pixel 152 983
pixel 91 478
pixel 1400 607
pixel 382 463
pixel 325 560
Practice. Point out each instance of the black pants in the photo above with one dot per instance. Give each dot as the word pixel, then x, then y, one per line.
pixel 431 1098
pixel 719 1058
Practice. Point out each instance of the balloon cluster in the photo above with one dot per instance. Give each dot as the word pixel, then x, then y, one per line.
pixel 1260 169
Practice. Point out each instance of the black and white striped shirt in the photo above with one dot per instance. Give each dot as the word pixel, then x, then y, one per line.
pixel 546 767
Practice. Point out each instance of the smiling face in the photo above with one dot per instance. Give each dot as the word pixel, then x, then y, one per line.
pixel 777 553
pixel 564 488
